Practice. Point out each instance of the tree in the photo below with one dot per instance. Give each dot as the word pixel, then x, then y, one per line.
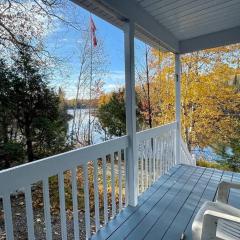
pixel 210 105
pixel 208 101
pixel 10 149
pixel 89 85
pixel 144 80
pixel 111 113
pixel 161 88
pixel 26 23
pixel 38 120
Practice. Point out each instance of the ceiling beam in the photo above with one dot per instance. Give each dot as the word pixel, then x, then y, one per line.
pixel 131 10
pixel 217 39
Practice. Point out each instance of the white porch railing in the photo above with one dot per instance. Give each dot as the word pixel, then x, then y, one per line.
pixel 109 155
pixel 156 151
pixel 186 157
pixel 107 164
pixel 157 154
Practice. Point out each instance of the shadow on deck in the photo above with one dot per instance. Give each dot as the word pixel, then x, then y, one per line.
pixel 167 209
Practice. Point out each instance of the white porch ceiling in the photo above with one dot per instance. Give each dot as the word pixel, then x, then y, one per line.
pixel 177 25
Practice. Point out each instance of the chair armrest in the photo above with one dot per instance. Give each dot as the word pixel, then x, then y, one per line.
pixel 210 220
pixel 214 215
pixel 224 189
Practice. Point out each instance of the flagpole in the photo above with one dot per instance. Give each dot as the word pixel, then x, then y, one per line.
pixel 90 90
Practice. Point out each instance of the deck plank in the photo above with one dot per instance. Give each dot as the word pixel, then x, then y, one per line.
pixel 160 227
pixel 167 208
pixel 234 196
pixel 182 218
pixel 137 217
pixel 122 217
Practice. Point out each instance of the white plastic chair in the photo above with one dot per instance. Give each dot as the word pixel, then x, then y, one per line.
pixel 218 220
pixel 224 189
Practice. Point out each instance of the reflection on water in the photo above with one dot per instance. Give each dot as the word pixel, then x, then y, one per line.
pixel 81 124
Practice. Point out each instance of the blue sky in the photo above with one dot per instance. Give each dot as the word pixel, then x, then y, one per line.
pixel 62 42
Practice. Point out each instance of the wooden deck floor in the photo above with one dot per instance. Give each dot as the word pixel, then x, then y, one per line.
pixel 167 209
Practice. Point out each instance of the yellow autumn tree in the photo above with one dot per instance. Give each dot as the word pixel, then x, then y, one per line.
pixel 210 103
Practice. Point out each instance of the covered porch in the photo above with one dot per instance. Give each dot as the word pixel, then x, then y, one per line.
pixel 155 187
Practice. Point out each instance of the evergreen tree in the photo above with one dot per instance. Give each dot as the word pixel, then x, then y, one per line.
pixel 37 117
pixel 10 149
pixel 112 116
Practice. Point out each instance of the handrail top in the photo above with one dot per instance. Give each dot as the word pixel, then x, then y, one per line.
pixel 23 175
pixel 74 151
pixel 152 132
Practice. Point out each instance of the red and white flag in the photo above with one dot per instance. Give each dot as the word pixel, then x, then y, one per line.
pixel 93 32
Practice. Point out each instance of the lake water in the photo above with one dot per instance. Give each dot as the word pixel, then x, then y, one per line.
pixel 98 135
pixel 81 123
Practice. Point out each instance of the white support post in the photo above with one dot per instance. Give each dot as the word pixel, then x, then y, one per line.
pixel 130 99
pixel 178 106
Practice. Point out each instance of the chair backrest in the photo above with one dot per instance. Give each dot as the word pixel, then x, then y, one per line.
pixel 228 230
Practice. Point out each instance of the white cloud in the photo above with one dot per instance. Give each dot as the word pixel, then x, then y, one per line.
pixel 114 80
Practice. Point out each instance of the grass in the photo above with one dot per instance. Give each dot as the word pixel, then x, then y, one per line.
pixel 220 166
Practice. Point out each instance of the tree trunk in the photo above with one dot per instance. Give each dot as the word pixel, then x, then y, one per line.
pixel 30 151
pixel 148 91
pixel 5 128
pixel 7 163
pixel 29 144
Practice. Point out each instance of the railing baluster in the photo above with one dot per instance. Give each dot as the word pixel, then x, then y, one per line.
pixel 173 147
pixel 62 205
pixel 150 162
pixel 167 152
pixel 105 190
pixel 142 180
pixel 75 203
pixel 29 212
pixel 154 158
pixel 46 208
pixel 170 149
pixel 113 185
pixel 144 159
pixel 175 142
pixel 164 155
pixel 86 201
pixel 126 181
pixel 138 172
pixel 96 196
pixel 146 165
pixel 159 156
pixel 8 216
pixel 120 178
